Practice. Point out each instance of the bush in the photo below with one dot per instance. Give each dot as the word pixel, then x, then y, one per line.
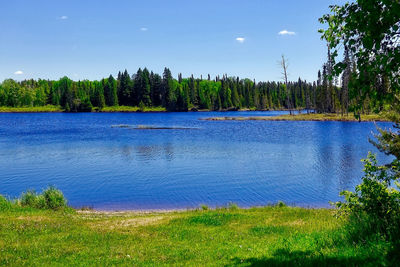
pixel 5 204
pixel 142 106
pixel 374 208
pixel 29 199
pixel 54 198
pixel 51 198
pixel 204 207
pixel 281 204
pixel 233 206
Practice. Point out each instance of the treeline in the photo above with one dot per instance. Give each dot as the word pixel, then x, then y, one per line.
pixel 343 94
pixel 147 89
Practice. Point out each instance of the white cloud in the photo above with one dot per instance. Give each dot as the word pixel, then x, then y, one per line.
pixel 286 32
pixel 144 29
pixel 64 17
pixel 240 39
pixel 19 72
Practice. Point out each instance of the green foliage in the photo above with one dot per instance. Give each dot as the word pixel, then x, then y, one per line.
pixel 153 90
pixel 33 200
pixel 281 204
pixel 86 106
pixel 388 142
pixel 141 106
pixel 369 31
pixel 204 207
pixel 54 198
pixel 374 207
pixel 47 108
pixel 5 204
pixel 233 206
pixel 50 198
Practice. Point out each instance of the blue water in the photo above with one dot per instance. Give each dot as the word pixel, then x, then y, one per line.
pixel 250 163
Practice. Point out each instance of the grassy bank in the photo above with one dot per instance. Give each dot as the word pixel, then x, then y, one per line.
pixel 272 236
pixel 305 117
pixel 48 108
pixel 132 109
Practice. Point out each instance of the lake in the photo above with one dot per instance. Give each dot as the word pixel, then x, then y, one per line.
pixel 99 164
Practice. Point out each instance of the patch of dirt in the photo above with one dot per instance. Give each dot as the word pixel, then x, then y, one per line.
pixel 135 222
pixel 123 222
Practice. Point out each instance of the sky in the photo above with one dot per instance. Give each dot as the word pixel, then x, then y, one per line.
pixel 92 39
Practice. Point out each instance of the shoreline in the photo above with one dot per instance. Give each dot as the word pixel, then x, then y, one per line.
pixel 84 210
pixel 119 109
pixel 305 117
pixel 285 117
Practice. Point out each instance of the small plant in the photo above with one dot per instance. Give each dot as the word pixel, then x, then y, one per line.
pixel 142 106
pixel 51 198
pixel 204 207
pixel 233 206
pixel 281 204
pixel 29 199
pixel 54 198
pixel 5 204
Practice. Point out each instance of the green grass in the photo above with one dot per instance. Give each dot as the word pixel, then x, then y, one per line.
pixel 272 236
pixel 48 108
pixel 132 109
pixel 306 117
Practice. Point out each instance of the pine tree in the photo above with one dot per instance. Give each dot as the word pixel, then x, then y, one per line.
pixel 345 82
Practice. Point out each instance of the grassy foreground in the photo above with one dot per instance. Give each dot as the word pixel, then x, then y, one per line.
pixel 272 236
pixel 305 117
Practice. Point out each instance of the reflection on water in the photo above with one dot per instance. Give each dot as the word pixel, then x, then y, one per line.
pixel 246 162
pixel 152 152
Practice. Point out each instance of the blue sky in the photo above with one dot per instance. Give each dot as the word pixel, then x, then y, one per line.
pixel 92 39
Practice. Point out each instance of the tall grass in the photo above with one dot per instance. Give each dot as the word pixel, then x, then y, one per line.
pixel 50 199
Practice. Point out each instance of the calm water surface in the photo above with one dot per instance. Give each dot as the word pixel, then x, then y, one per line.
pixel 213 162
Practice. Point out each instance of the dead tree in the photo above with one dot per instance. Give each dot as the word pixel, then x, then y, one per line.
pixel 284 64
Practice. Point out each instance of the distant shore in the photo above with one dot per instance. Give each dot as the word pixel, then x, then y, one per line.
pixel 306 117
pixel 127 109
pixel 59 109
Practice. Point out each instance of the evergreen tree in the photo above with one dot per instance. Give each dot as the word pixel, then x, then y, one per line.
pixel 110 91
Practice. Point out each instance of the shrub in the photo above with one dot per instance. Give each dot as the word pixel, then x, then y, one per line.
pixel 142 106
pixel 204 207
pixel 374 207
pixel 51 198
pixel 5 204
pixel 233 206
pixel 54 198
pixel 29 199
pixel 281 204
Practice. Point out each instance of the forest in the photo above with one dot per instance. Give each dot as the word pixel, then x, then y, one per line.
pixel 148 89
